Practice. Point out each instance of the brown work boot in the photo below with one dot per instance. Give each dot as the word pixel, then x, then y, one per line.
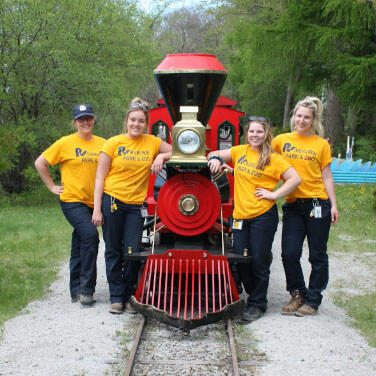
pixel 116 308
pixel 306 310
pixel 295 302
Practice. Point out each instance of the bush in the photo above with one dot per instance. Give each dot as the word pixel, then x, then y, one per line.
pixel 38 196
pixel 365 149
pixel 280 130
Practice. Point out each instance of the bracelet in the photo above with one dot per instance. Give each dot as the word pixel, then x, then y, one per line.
pixel 216 157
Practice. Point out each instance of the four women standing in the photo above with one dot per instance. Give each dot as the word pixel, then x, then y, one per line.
pixel 121 183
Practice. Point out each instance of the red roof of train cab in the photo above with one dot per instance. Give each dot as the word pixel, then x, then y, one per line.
pixel 222 101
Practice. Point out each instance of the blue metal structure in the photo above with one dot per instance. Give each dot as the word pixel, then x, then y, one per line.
pixel 348 171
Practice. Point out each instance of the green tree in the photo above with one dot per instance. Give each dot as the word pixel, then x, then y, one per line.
pixel 282 50
pixel 54 55
pixel 347 46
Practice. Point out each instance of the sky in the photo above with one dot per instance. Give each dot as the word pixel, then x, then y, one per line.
pixel 149 4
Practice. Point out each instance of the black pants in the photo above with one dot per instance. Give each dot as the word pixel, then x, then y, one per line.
pixel 257 235
pixel 122 228
pixel 297 225
pixel 85 240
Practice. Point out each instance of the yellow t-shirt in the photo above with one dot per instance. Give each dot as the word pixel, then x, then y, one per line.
pixel 131 160
pixel 248 178
pixel 309 156
pixel 78 160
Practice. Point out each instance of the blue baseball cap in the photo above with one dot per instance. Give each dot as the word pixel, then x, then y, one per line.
pixel 82 110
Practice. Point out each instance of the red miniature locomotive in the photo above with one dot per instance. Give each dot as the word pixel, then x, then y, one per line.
pixel 187 280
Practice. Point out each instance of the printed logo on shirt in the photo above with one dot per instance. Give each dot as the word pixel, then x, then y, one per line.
pixel 243 161
pixel 90 157
pixel 121 150
pixel 293 152
pixel 247 167
pixel 136 156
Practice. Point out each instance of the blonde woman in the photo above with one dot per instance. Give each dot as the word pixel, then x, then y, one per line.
pixel 121 184
pixel 257 170
pixel 309 210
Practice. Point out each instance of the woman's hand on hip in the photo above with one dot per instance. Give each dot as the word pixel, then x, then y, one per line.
pixel 264 193
pixel 57 189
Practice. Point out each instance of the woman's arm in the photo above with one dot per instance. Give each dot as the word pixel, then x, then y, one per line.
pixel 164 154
pixel 327 178
pixel 41 165
pixel 291 181
pixel 215 164
pixel 102 171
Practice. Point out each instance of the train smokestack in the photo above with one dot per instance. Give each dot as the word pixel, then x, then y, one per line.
pixel 190 80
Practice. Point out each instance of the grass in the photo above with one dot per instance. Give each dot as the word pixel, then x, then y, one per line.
pixel 362 309
pixel 356 229
pixel 35 238
pixel 355 235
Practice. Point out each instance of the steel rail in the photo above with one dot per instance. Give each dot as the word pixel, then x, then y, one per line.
pixel 232 346
pixel 137 340
pixel 136 343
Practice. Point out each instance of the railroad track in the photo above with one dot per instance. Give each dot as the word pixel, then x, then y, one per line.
pixel 161 350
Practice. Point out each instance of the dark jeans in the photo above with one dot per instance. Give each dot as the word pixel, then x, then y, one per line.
pixel 298 224
pixel 85 240
pixel 121 229
pixel 257 235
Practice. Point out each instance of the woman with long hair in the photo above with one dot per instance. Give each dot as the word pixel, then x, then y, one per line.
pixel 310 209
pixel 121 184
pixel 257 171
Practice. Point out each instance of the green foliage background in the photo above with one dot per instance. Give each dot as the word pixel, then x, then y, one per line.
pixel 56 54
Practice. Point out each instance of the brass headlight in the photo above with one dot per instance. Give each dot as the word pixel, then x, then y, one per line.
pixel 188 141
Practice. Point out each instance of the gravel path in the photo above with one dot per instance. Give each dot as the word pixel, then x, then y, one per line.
pixel 55 337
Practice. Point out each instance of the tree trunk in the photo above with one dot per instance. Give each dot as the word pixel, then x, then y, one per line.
pixel 351 119
pixel 286 111
pixel 293 81
pixel 334 125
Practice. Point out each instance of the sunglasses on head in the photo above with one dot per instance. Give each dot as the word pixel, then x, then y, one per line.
pixel 140 105
pixel 258 118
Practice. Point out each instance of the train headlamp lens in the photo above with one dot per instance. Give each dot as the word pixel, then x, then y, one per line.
pixel 188 142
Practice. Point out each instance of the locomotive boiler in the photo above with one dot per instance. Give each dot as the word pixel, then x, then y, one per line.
pixel 189 276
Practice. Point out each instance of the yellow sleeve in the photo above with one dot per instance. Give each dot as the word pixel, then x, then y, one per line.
pixel 283 165
pixel 276 145
pixel 158 143
pixel 234 153
pixel 53 154
pixel 326 156
pixel 108 147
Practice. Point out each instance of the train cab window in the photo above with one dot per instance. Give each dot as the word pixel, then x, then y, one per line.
pixel 225 135
pixel 161 130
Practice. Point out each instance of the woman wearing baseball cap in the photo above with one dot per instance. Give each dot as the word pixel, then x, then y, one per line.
pixel 78 155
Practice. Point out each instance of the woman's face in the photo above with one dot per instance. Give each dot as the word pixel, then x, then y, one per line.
pixel 303 121
pixel 136 124
pixel 84 125
pixel 256 135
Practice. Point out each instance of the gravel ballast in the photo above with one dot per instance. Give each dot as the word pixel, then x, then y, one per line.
pixel 56 337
